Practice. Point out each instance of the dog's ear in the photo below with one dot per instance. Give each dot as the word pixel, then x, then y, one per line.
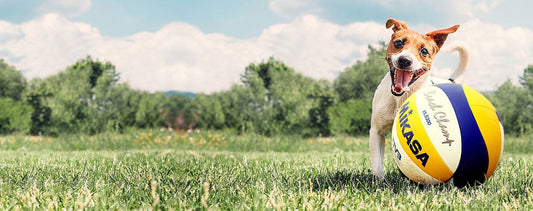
pixel 440 35
pixel 398 25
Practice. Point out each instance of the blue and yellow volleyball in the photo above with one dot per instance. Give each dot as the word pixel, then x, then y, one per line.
pixel 445 132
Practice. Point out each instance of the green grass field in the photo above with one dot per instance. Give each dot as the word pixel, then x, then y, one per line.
pixel 202 170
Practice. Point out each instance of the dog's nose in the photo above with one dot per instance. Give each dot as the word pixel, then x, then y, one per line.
pixel 404 62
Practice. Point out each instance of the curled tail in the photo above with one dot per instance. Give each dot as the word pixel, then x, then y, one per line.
pixel 457 76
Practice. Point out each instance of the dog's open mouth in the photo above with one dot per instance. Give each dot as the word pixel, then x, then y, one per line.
pixel 402 79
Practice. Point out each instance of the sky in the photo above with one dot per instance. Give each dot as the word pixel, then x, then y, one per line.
pixel 203 46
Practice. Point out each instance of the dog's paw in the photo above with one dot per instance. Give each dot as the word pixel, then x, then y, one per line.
pixel 379 175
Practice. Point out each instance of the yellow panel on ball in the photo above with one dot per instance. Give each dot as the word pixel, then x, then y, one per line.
pixel 489 125
pixel 413 138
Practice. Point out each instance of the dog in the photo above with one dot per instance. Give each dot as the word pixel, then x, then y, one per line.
pixel 409 55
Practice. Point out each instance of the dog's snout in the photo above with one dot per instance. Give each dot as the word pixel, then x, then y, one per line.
pixel 404 62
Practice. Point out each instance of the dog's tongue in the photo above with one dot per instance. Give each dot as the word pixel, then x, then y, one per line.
pixel 402 80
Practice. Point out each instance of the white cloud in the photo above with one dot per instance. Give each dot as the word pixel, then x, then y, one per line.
pixel 177 57
pixel 439 11
pixel 65 7
pixel 180 56
pixel 43 46
pixel 485 6
pixel 318 48
pixel 496 53
pixel 294 8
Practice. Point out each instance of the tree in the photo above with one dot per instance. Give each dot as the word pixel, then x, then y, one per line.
pixel 103 113
pixel 42 114
pixel 125 104
pixel 355 89
pixel 208 111
pixel 176 112
pixel 526 80
pixel 78 96
pixel 351 117
pixel 515 119
pixel 515 104
pixel 361 80
pixel 234 105
pixel 243 108
pixel 319 118
pixel 277 98
pixel 12 83
pixel 149 113
pixel 14 116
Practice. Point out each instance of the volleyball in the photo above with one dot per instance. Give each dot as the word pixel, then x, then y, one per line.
pixel 447 132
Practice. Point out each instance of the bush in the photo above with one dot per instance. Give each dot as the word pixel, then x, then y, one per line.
pixel 351 117
pixel 15 116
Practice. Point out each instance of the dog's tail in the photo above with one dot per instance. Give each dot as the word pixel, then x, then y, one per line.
pixel 457 76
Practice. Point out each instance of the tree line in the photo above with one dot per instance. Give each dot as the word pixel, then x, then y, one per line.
pixel 272 99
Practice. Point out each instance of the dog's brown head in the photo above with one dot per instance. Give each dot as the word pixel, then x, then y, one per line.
pixel 410 54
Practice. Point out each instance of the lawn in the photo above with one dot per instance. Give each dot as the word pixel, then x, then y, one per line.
pixel 202 170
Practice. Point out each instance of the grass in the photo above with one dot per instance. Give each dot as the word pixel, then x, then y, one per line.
pixel 214 170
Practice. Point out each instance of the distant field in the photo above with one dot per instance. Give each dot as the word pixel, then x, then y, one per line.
pixel 202 169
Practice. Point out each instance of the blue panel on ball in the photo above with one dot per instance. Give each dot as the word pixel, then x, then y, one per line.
pixel 474 157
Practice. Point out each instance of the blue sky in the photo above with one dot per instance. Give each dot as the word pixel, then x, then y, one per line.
pixel 239 18
pixel 204 45
pixel 245 18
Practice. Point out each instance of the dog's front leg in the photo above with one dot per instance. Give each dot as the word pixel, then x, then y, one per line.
pixel 377 147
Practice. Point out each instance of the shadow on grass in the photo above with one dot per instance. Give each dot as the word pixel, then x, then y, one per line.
pixel 365 181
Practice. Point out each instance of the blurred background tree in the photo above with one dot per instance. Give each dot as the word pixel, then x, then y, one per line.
pixel 15 114
pixel 515 104
pixel 272 99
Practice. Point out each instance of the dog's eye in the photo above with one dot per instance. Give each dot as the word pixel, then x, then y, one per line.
pixel 398 44
pixel 424 52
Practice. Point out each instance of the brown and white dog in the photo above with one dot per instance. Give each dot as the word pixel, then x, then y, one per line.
pixel 410 56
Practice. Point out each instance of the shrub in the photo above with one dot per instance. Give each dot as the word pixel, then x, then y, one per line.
pixel 351 117
pixel 15 116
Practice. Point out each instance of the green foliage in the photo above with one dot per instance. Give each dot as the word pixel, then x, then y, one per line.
pixel 355 89
pixel 14 116
pixel 12 83
pixel 527 78
pixel 42 114
pixel 361 80
pixel 150 110
pixel 75 96
pixel 514 118
pixel 351 117
pixel 123 107
pixel 234 105
pixel 208 111
pixel 82 98
pixel 86 98
pixel 272 99
pixel 278 98
pixel 515 104
pixel 319 119
pixel 176 111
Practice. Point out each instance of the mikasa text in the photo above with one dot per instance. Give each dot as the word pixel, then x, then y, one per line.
pixel 408 134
